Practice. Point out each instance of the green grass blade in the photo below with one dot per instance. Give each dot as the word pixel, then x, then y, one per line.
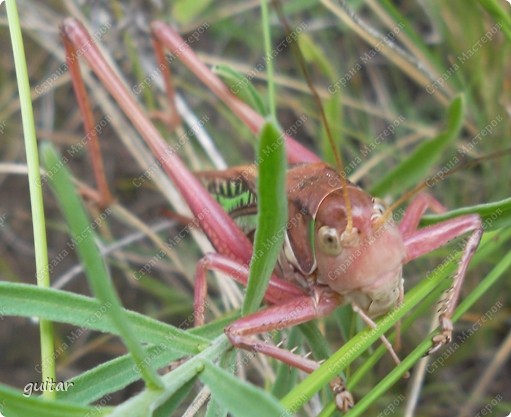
pixel 241 86
pixel 171 343
pixel 228 362
pixel 333 113
pixel 494 215
pixel 265 21
pixel 184 11
pixel 414 168
pixel 118 373
pixel 36 195
pixel 25 300
pixel 499 11
pixel 240 398
pixel 94 266
pixel 174 401
pixel 145 403
pixel 114 375
pixel 313 54
pixel 272 214
pixel 286 375
pixel 15 404
pixel 315 339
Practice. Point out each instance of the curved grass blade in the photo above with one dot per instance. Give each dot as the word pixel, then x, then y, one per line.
pixel 240 398
pixel 148 401
pixel 169 343
pixel 114 375
pixel 496 215
pixel 118 373
pixel 415 167
pixel 271 190
pixel 498 11
pixel 241 86
pixel 94 266
pixel 174 401
pixel 25 300
pixel 15 404
pixel 272 214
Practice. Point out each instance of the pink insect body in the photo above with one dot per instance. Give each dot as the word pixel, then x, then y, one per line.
pixel 355 255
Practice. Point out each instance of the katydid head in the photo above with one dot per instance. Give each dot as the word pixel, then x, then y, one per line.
pixel 365 264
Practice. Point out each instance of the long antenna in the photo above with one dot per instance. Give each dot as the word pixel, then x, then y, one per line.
pixel 338 160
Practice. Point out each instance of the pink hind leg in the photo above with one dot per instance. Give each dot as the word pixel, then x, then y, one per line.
pixel 220 228
pixel 164 35
pixel 298 310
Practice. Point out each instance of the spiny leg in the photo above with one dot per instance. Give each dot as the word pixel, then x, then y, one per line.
pixel 422 241
pixel 296 311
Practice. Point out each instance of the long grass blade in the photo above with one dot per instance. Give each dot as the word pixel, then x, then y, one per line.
pixel 415 167
pixel 36 195
pixel 98 276
pixel 16 404
pixel 272 214
pixel 240 398
pixel 87 313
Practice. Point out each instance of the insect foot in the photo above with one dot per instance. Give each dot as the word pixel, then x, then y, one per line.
pixel 444 337
pixel 343 398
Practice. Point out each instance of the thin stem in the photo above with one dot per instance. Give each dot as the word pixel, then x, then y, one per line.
pixel 36 197
pixel 268 59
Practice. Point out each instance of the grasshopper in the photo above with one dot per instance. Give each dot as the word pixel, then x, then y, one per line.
pixel 341 245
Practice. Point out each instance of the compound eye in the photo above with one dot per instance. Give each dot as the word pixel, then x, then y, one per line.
pixel 379 208
pixel 329 241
